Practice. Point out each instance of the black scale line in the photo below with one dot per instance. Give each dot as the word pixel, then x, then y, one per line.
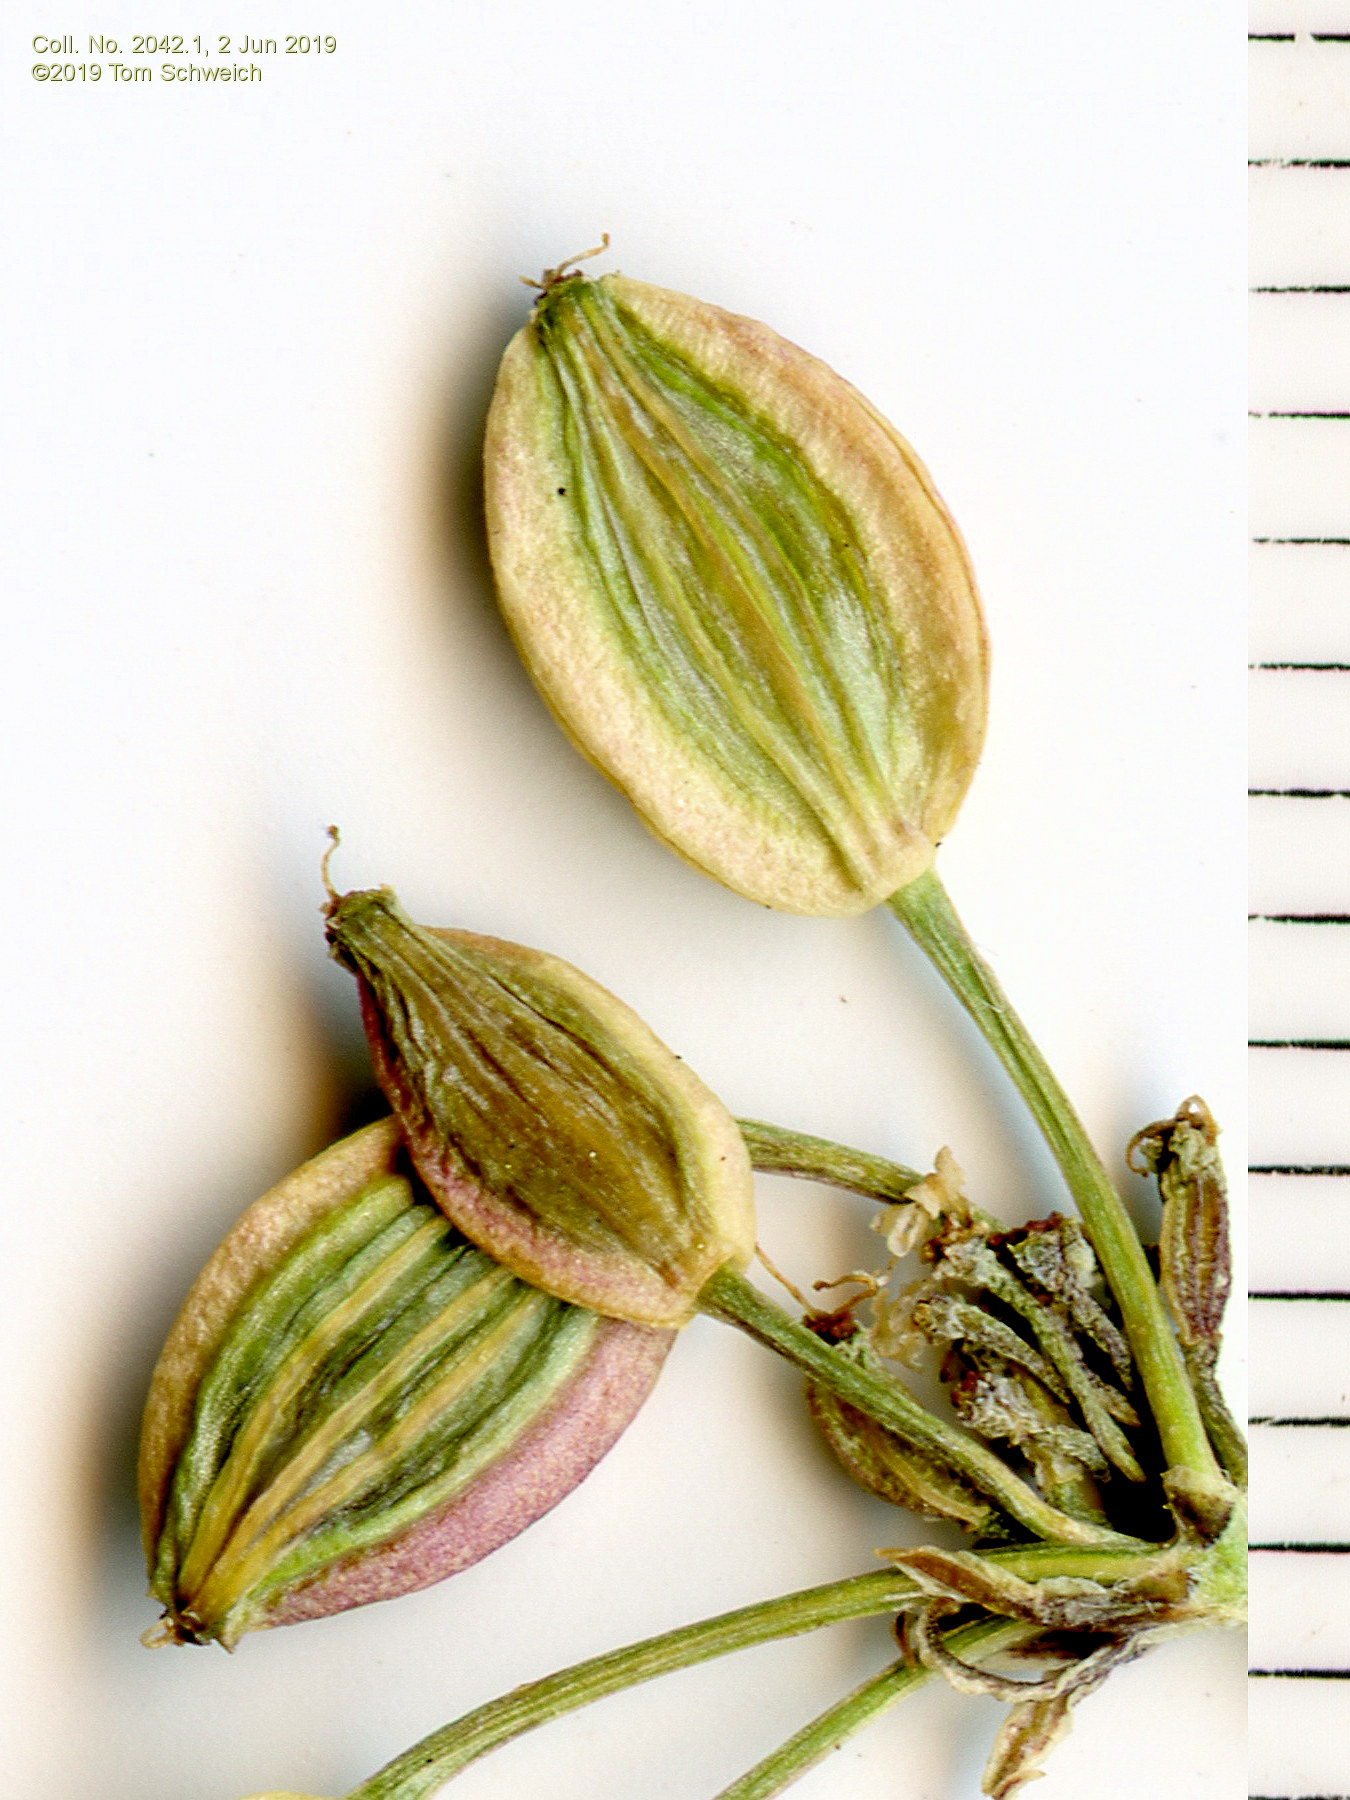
pixel 1299 1674
pixel 1293 1547
pixel 1298 1168
pixel 1287 918
pixel 1292 1422
pixel 1298 1043
pixel 1302 1549
pixel 1329 1296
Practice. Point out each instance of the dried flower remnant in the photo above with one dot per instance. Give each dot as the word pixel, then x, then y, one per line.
pixel 937 1203
pixel 355 1403
pixel 1085 1623
pixel 893 1470
pixel 1195 1261
pixel 1030 1731
pixel 1034 1357
pixel 1026 1344
pixel 1194 1257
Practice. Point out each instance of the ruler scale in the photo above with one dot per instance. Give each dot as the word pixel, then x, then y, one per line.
pixel 1300 919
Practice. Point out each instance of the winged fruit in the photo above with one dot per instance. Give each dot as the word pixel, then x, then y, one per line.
pixel 551 1124
pixel 355 1402
pixel 736 587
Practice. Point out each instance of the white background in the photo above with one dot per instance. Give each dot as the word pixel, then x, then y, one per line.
pixel 249 336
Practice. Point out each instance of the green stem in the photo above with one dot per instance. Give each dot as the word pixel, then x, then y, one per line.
pixel 436 1758
pixel 926 912
pixel 1224 1431
pixel 776 1151
pixel 730 1297
pixel 814 1742
pixel 1104 1563
pixel 433 1761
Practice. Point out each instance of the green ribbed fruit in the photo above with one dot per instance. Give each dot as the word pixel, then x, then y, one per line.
pixel 736 587
pixel 550 1123
pixel 355 1402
